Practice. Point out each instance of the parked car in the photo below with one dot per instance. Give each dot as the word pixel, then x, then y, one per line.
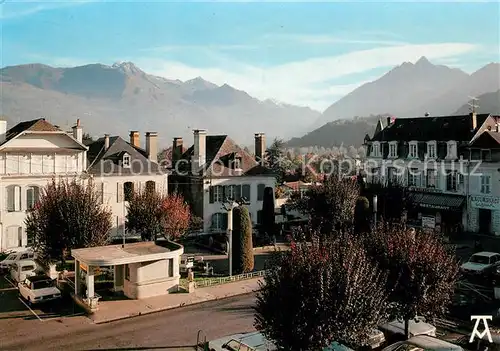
pixel 395 330
pixel 481 263
pixel 38 288
pixel 423 342
pixel 20 270
pixel 14 257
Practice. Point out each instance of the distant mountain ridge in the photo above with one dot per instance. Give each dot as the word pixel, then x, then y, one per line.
pixel 122 97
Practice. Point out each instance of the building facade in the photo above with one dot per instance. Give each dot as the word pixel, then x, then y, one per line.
pixel 432 158
pixel 215 169
pixel 119 168
pixel 31 154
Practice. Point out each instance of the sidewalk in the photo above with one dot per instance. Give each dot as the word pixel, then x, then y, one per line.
pixel 110 311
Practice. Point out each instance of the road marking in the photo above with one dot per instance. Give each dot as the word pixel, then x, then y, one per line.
pixel 25 304
pixel 10 282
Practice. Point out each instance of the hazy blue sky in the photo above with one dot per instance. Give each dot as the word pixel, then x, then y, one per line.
pixel 302 53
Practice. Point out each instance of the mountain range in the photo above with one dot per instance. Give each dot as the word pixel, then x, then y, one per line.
pixel 119 98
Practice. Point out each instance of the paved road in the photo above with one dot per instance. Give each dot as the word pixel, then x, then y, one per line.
pixel 174 328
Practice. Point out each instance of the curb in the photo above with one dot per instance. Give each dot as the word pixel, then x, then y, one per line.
pixel 174 307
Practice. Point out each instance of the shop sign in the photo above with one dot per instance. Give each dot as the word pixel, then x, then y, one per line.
pixel 424 190
pixel 485 202
pixel 83 267
pixel 428 222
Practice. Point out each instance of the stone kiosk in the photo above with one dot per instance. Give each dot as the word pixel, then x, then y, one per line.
pixel 141 270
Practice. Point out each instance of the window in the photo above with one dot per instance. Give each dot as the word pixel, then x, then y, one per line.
pixel 170 267
pixel 13 198
pixel 237 162
pixel 393 175
pixel 260 192
pixel 431 178
pixel 219 221
pixel 32 196
pixel 259 217
pixel 451 150
pixel 451 181
pixel 413 177
pixel 14 237
pixel 393 149
pixel 486 155
pixel 413 152
pixel 128 190
pixel 375 173
pixel 127 272
pixel 150 186
pixel 485 184
pixel 375 149
pixel 245 192
pixel 216 193
pixel 431 149
pixel 126 161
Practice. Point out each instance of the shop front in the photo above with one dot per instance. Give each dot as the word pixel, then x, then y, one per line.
pixel 441 213
pixel 484 214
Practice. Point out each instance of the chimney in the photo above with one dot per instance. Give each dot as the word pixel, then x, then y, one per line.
pixel 106 142
pixel 78 131
pixel 152 146
pixel 474 120
pixel 3 130
pixel 176 150
pixel 134 138
pixel 200 144
pixel 260 147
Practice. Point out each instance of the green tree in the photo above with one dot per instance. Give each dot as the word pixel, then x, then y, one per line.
pixel 242 251
pixel 421 270
pixel 144 214
pixel 268 216
pixel 276 159
pixel 69 215
pixel 362 215
pixel 316 294
pixel 330 205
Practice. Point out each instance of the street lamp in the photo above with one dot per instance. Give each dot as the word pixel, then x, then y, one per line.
pixel 375 199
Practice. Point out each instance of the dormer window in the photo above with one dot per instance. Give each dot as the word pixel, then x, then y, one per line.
pixel 375 149
pixel 126 161
pixel 393 149
pixel 237 162
pixel 413 152
pixel 431 149
pixel 451 150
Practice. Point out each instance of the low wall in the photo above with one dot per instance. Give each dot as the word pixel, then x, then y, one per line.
pixel 152 288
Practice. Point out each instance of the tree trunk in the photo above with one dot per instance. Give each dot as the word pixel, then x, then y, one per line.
pixel 407 328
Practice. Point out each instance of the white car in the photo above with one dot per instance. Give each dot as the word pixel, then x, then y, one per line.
pixel 36 289
pixel 481 262
pixel 416 327
pixel 15 257
pixel 23 269
pixel 421 343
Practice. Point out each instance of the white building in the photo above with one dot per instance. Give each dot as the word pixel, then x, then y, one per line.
pixel 430 157
pixel 31 154
pixel 119 168
pixel 484 187
pixel 215 169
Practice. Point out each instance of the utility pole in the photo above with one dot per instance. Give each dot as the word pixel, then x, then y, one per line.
pixel 473 106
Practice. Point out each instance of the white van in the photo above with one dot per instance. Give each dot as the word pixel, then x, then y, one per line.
pixel 14 257
pixel 421 343
pixel 20 270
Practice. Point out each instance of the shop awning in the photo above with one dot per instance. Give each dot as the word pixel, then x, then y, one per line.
pixel 437 201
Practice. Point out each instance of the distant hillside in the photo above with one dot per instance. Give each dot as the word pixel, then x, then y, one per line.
pixel 345 132
pixel 411 90
pixel 119 98
pixel 488 103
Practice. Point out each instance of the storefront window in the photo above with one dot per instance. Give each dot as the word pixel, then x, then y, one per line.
pixel 431 178
pixel 485 184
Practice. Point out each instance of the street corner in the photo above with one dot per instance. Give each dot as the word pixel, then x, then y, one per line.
pixel 14 308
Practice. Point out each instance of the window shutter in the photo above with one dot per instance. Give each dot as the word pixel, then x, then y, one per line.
pixel 10 199
pixel 214 221
pixel 246 191
pixel 224 221
pixel 237 192
pixel 30 198
pixel 211 194
pixel 17 198
pixel 224 193
pixel 119 192
pixel 260 192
